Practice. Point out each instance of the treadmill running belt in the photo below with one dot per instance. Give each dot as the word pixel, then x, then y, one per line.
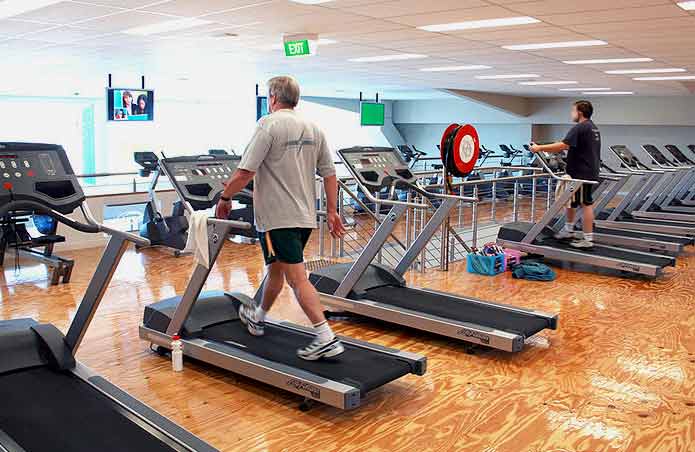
pixel 358 367
pixel 47 411
pixel 643 235
pixel 614 253
pixel 447 307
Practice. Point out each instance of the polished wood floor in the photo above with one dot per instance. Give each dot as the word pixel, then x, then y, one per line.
pixel 618 374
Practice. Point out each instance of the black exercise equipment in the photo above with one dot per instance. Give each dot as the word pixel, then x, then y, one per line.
pixel 50 401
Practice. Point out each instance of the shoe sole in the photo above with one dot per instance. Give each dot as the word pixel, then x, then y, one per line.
pixel 335 351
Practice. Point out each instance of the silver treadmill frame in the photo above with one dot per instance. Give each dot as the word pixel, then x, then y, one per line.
pixel 464 331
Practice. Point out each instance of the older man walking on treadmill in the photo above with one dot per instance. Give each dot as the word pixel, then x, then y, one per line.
pixel 283 158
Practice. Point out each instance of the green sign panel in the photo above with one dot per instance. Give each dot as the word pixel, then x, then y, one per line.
pixel 297 48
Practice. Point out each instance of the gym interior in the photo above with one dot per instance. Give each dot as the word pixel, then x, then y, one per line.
pixel 515 180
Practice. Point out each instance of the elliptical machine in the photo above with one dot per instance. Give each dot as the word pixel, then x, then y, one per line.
pixel 168 231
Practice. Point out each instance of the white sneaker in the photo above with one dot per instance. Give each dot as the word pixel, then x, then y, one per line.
pixel 247 315
pixel 317 349
pixel 564 234
pixel 582 243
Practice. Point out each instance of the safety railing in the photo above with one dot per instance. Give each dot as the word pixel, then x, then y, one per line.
pixel 520 194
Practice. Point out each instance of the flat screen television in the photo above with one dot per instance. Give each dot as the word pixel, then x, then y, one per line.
pixel 125 104
pixel 372 114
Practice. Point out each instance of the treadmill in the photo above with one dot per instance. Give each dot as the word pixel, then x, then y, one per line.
pixel 374 290
pixel 49 401
pixel 611 183
pixel 626 213
pixel 210 329
pixel 538 238
pixel 677 179
pixel 686 196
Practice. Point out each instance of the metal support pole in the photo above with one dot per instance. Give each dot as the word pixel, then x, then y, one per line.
pixel 341 212
pixel 423 254
pixel 475 218
pixel 515 209
pixel 322 224
pixel 493 207
pixel 549 197
pixel 533 199
pixel 377 222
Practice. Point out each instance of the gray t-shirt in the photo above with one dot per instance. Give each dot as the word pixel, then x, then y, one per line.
pixel 286 152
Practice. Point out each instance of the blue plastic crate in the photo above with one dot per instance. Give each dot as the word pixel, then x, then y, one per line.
pixel 485 265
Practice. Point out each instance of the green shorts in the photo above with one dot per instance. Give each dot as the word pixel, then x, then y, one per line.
pixel 284 245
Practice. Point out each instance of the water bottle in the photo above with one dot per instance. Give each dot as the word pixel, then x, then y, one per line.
pixel 177 354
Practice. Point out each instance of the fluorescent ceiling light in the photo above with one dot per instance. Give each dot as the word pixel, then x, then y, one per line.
pixel 647 71
pixel 473 67
pixel 610 61
pixel 555 82
pixel 10 8
pixel 505 76
pixel 486 23
pixel 688 6
pixel 166 26
pixel 311 2
pixel 584 89
pixel 675 77
pixel 556 45
pixel 393 57
pixel 609 93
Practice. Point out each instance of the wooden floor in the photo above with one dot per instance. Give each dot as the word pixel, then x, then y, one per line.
pixel 618 374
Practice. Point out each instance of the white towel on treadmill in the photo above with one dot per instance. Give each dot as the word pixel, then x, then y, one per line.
pixel 197 242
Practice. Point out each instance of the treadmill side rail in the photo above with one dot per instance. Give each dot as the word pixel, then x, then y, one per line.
pixel 275 374
pixel 468 332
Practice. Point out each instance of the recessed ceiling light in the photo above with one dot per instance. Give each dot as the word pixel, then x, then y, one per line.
pixel 393 57
pixel 675 77
pixel 311 2
pixel 553 82
pixel 647 71
pixel 584 89
pixel 505 76
pixel 166 26
pixel 486 23
pixel 556 45
pixel 688 6
pixel 610 61
pixel 472 67
pixel 609 93
pixel 10 8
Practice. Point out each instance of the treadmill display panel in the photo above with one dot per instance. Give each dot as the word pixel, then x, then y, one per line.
pixel 377 167
pixel 627 157
pixel 40 173
pixel 656 154
pixel 678 154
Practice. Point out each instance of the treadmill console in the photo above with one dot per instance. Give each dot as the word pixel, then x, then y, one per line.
pixel 377 167
pixel 40 173
pixel 200 179
pixel 656 155
pixel 626 156
pixel 148 160
pixel 678 154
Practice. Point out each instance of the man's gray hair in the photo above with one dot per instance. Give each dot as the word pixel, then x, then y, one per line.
pixel 285 89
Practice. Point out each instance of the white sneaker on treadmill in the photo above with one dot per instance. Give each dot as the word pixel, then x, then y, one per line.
pixel 582 244
pixel 318 349
pixel 564 234
pixel 247 315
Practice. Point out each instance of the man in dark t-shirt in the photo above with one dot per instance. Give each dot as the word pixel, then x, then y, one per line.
pixel 583 146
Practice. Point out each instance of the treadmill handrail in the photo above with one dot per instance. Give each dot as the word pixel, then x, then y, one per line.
pixel 541 159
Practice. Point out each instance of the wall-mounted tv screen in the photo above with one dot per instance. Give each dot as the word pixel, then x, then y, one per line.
pixel 129 104
pixel 372 114
pixel 261 107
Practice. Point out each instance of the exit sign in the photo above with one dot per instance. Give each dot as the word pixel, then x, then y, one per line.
pixel 297 48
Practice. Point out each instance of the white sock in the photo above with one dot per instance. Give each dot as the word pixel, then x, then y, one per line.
pixel 260 314
pixel 569 227
pixel 324 332
pixel 589 236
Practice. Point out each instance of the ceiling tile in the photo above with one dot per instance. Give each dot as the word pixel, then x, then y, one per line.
pixel 67 13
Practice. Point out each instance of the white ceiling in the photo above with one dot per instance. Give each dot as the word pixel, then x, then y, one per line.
pixel 72 45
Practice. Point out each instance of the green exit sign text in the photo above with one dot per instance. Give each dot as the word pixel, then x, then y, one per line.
pixel 297 48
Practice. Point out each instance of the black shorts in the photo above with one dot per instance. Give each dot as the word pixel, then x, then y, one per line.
pixel 584 196
pixel 284 245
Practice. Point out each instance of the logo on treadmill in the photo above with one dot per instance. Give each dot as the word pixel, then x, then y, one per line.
pixel 626 266
pixel 483 338
pixel 215 238
pixel 314 391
